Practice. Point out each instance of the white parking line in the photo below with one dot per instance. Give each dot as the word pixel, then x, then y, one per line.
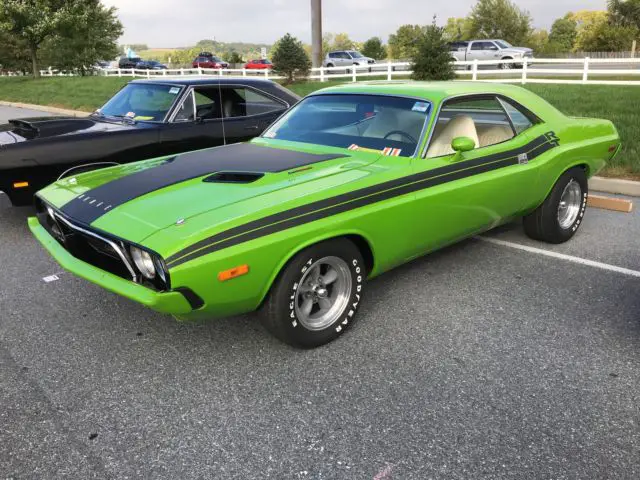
pixel 562 256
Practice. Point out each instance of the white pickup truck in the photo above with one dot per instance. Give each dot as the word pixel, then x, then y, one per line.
pixel 489 50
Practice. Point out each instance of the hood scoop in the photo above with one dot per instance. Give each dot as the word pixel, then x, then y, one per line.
pixel 49 126
pixel 233 177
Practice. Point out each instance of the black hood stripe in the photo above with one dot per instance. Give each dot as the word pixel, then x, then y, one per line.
pixel 242 157
pixel 359 198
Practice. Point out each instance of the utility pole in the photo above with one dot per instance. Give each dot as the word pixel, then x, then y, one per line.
pixel 316 33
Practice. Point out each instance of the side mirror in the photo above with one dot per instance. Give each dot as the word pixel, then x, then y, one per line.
pixel 463 144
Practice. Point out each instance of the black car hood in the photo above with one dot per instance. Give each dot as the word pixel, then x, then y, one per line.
pixel 23 129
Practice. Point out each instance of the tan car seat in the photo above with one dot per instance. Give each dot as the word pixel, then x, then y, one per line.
pixel 384 122
pixel 492 134
pixel 459 126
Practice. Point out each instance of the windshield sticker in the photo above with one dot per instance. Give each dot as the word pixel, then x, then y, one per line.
pixel 174 90
pixel 353 146
pixel 420 107
pixel 270 135
pixel 392 152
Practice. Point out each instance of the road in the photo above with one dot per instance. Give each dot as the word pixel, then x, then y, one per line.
pixel 481 360
pixel 7 113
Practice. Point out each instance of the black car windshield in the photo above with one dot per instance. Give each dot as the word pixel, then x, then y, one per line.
pixel 142 102
pixel 391 125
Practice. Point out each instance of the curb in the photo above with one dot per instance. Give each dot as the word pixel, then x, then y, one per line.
pixel 615 186
pixel 41 108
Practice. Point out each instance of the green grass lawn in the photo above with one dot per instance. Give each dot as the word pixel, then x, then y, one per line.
pixel 620 104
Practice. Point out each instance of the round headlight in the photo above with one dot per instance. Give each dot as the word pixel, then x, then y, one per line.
pixel 144 262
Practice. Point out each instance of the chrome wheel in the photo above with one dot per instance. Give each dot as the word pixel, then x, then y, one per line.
pixel 570 204
pixel 323 293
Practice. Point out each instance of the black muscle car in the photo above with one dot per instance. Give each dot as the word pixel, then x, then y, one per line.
pixel 146 119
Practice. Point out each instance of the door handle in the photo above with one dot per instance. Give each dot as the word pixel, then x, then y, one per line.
pixel 251 127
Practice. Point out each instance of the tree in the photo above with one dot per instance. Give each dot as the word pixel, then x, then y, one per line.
pixel 232 57
pixel 432 59
pixel 92 37
pixel 601 36
pixel 33 21
pixel 402 44
pixel 341 41
pixel 136 47
pixel 500 19
pixel 290 59
pixel 457 29
pixel 14 53
pixel 83 29
pixel 374 48
pixel 563 33
pixel 625 13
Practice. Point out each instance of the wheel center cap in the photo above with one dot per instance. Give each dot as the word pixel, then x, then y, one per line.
pixel 321 292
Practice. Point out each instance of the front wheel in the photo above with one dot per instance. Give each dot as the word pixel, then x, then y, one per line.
pixel 560 215
pixel 317 295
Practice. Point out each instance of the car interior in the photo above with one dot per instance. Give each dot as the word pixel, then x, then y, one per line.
pixel 486 120
pixel 214 102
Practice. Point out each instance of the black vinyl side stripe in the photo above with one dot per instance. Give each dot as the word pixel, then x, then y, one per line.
pixel 359 198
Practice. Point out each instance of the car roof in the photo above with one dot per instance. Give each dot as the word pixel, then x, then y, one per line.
pixel 212 80
pixel 436 92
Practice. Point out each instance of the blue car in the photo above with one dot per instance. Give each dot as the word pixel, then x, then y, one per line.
pixel 150 65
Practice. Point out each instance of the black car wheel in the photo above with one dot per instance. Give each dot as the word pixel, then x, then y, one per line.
pixel 560 215
pixel 317 295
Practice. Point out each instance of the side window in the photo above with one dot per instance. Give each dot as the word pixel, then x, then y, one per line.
pixel 333 55
pixel 481 119
pixel 185 112
pixel 476 45
pixel 520 120
pixel 253 102
pixel 213 102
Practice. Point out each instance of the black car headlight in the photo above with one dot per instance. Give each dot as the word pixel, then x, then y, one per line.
pixel 144 262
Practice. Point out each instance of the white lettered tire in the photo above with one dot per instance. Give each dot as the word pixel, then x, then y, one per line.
pixel 317 295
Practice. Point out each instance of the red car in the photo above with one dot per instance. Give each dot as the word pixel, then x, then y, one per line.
pixel 262 64
pixel 209 61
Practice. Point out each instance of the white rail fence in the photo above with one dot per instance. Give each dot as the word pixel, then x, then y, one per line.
pixel 618 71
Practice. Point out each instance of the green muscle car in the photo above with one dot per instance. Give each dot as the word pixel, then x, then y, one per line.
pixel 351 182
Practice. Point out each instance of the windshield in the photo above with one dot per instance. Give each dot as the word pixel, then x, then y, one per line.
pixel 355 54
pixel 391 125
pixel 142 102
pixel 503 44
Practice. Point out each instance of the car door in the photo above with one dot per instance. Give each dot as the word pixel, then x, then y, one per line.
pixel 469 192
pixel 212 115
pixel 483 50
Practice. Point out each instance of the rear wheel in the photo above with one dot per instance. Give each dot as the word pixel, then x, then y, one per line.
pixel 560 216
pixel 317 295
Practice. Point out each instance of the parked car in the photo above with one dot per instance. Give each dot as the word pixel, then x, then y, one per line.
pixel 490 50
pixel 102 65
pixel 346 58
pixel 126 62
pixel 146 119
pixel 208 60
pixel 150 65
pixel 351 182
pixel 261 64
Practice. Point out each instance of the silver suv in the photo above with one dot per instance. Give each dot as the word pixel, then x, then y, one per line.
pixel 346 58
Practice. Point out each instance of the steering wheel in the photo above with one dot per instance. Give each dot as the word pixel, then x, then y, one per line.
pixel 402 134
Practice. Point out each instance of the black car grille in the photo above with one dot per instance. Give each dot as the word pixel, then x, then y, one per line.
pixel 84 244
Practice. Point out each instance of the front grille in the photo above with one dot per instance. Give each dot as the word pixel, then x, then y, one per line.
pixel 84 244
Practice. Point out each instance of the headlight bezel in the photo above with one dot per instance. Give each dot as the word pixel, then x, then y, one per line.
pixel 160 278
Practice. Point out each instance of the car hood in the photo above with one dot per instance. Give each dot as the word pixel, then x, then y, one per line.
pixel 517 50
pixel 213 187
pixel 24 129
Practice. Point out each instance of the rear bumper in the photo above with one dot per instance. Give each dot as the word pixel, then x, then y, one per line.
pixel 172 302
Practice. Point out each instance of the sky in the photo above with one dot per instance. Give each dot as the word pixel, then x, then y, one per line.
pixel 178 23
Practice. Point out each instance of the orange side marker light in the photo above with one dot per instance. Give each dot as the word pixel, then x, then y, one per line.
pixel 20 184
pixel 233 273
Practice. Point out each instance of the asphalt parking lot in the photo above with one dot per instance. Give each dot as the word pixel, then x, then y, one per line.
pixel 479 361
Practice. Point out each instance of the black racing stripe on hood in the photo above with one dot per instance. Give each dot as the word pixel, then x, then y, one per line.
pixel 242 157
